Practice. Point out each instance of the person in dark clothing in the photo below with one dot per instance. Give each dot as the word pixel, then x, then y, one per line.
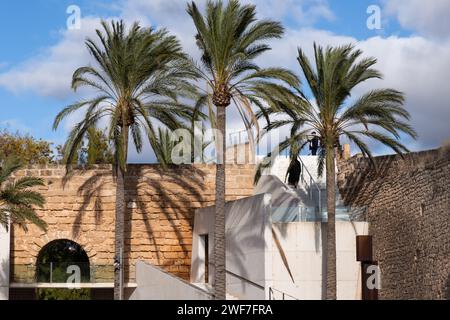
pixel 314 144
pixel 294 172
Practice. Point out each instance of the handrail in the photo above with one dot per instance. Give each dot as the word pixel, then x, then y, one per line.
pixel 284 294
pixel 245 280
pixel 312 181
pixel 271 289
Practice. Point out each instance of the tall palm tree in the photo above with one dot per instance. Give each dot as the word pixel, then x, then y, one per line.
pixel 17 201
pixel 230 38
pixel 378 115
pixel 139 75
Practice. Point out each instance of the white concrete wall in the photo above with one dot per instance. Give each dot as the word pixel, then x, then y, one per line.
pixel 256 247
pixel 248 235
pixel 302 244
pixel 155 284
pixel 4 263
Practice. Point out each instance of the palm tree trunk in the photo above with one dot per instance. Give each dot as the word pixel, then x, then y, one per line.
pixel 219 229
pixel 119 234
pixel 120 218
pixel 331 293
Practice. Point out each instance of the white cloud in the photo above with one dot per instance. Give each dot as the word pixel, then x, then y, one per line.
pixel 50 73
pixel 416 65
pixel 427 17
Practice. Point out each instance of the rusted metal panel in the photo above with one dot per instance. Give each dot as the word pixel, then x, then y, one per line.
pixel 364 248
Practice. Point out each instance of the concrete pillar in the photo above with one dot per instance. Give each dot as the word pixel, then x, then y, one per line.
pixel 4 263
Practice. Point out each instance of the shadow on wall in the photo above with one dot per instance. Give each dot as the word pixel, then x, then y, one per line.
pixel 149 190
pixel 166 192
pixel 90 190
pixel 354 189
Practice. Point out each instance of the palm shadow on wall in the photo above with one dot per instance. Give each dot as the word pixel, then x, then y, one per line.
pixel 90 190
pixel 171 205
pixel 235 244
pixel 363 184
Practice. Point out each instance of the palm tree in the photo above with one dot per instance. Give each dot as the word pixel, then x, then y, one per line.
pixel 167 145
pixel 139 75
pixel 17 201
pixel 378 115
pixel 230 38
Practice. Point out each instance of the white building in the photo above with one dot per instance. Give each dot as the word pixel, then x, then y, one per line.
pixel 274 245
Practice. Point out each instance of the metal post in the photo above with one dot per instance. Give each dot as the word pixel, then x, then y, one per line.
pixel 51 272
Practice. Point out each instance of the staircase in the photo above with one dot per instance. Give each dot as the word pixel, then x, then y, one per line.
pixel 311 194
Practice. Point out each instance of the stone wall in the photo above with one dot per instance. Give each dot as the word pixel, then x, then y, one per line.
pixel 408 206
pixel 159 220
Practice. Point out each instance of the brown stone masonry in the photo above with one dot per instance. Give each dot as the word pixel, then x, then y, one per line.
pixel 408 207
pixel 160 209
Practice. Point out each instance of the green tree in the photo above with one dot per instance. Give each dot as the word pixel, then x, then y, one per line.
pixel 139 74
pixel 25 147
pixel 378 115
pixel 167 144
pixel 17 200
pixel 95 148
pixel 230 38
pixel 98 150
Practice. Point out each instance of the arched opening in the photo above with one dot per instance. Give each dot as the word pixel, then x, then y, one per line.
pixel 62 262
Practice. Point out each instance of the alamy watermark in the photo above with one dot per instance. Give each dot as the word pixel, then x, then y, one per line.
pixel 374 19
pixel 74 280
pixel 374 279
pixel 74 19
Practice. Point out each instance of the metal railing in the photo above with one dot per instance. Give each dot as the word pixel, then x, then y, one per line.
pixel 283 294
pixel 56 272
pixel 272 290
pixel 312 184
pixel 245 280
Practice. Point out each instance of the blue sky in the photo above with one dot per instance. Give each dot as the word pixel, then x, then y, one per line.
pixel 39 53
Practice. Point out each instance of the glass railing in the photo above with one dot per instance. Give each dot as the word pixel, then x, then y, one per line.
pixel 309 214
pixel 57 272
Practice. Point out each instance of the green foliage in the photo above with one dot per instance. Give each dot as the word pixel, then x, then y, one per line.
pixel 56 257
pixel 64 294
pixel 166 146
pixel 59 255
pixel 230 39
pixel 17 200
pixel 98 151
pixel 94 149
pixel 378 114
pixel 25 147
pixel 139 74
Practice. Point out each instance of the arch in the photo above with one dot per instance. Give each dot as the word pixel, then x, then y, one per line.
pixel 62 260
pixel 49 237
